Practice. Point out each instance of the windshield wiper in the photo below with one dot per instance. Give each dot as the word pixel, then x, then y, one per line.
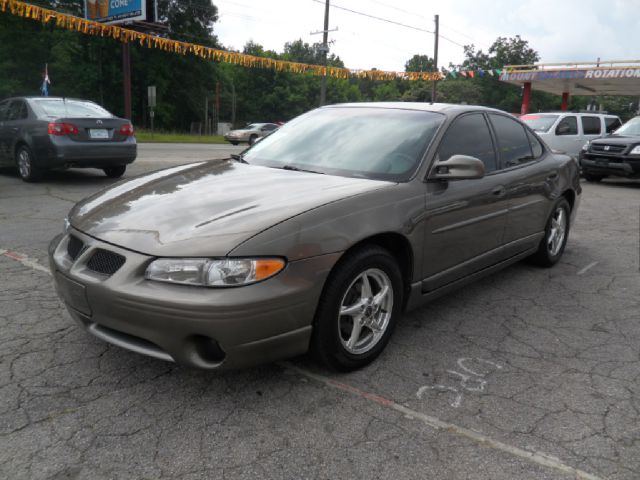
pixel 297 169
pixel 238 157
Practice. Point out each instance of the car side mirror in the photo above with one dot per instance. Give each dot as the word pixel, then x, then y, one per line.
pixel 458 167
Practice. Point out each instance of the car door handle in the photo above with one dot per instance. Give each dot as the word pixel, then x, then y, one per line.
pixel 499 191
pixel 553 176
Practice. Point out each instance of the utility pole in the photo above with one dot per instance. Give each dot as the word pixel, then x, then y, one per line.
pixel 325 50
pixel 233 104
pixel 126 78
pixel 435 56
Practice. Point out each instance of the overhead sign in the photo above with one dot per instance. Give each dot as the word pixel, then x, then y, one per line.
pixel 115 11
pixel 632 72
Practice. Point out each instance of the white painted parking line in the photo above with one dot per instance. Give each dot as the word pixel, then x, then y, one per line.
pixel 24 260
pixel 588 267
pixel 437 424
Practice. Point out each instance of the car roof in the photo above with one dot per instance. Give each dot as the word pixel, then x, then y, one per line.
pixel 446 108
pixel 40 97
pixel 589 114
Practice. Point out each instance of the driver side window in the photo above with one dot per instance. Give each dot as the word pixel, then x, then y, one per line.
pixel 567 126
pixel 469 135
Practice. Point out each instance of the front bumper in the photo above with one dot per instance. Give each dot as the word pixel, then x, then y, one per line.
pixel 235 139
pixel 610 165
pixel 201 327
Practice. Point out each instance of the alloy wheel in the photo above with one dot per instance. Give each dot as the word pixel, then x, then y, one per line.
pixel 557 232
pixel 24 163
pixel 365 311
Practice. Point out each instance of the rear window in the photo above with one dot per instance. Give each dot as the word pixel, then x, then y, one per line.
pixel 539 123
pixel 71 108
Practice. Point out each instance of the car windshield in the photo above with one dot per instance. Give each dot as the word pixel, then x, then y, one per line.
pixel 632 128
pixel 539 123
pixel 58 107
pixel 366 142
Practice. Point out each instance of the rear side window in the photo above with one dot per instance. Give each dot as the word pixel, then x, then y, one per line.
pixel 513 142
pixel 612 123
pixel 591 125
pixel 17 110
pixel 567 126
pixel 469 135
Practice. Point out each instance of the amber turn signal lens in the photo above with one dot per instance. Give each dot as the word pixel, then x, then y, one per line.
pixel 268 267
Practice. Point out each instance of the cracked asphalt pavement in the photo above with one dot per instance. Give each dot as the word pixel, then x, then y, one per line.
pixel 528 374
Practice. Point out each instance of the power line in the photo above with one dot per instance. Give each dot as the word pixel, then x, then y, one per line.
pixel 464 35
pixel 393 22
pixel 333 5
pixel 399 9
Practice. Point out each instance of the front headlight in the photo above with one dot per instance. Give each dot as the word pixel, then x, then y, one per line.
pixel 635 150
pixel 213 272
pixel 66 225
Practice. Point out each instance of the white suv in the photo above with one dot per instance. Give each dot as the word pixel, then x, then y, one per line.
pixel 568 132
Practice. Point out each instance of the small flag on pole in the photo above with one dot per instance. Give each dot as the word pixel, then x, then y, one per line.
pixel 44 89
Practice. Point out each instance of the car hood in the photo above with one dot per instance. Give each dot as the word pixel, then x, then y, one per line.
pixel 617 140
pixel 207 208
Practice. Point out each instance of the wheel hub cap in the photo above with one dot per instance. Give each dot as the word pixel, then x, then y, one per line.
pixel 365 311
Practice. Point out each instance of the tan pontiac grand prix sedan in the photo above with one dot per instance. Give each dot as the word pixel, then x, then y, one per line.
pixel 318 238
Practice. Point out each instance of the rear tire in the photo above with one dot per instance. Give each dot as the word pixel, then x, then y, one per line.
pixel 115 172
pixel 354 338
pixel 26 165
pixel 556 234
pixel 590 177
pixel 234 143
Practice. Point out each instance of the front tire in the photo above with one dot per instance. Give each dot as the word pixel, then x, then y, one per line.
pixel 359 307
pixel 115 172
pixel 26 166
pixel 252 139
pixel 556 234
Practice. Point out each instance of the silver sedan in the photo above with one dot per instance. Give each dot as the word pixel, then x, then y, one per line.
pixel 250 133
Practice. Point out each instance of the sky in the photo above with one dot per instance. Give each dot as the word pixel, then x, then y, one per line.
pixel 560 30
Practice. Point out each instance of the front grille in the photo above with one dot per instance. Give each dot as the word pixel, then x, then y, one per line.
pixel 105 262
pixel 600 147
pixel 74 247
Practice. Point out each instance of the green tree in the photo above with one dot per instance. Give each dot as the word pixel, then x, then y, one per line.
pixel 419 63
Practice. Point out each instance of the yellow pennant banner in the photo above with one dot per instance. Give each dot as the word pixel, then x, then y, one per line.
pixel 88 27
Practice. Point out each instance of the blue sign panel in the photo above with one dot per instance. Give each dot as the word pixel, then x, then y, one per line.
pixel 115 11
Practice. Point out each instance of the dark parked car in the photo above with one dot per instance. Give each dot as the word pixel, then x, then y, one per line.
pixel 43 133
pixel 318 237
pixel 616 154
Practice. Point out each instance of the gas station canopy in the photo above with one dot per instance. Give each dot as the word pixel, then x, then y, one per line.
pixel 611 77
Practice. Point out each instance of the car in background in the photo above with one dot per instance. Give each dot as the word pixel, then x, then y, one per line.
pixel 317 237
pixel 44 133
pixel 250 133
pixel 568 132
pixel 616 154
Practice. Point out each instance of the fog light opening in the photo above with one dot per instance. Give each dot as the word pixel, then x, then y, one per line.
pixel 207 349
